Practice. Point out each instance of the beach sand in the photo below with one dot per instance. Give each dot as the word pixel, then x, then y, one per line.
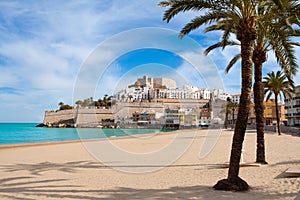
pixel 150 169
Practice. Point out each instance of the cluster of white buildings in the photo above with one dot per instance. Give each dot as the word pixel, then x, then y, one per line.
pixel 292 105
pixel 147 88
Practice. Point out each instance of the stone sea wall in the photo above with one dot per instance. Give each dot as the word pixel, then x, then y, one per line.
pixel 92 117
pixel 57 116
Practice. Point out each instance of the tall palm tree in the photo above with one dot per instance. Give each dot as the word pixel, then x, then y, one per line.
pixel 274 33
pixel 278 84
pixel 242 15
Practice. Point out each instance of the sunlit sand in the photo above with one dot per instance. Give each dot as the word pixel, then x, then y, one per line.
pixel 69 171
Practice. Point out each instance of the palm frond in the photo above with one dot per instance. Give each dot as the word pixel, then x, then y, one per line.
pixel 220 44
pixel 284 50
pixel 232 62
pixel 177 6
pixel 222 25
pixel 195 23
pixel 278 84
pixel 269 95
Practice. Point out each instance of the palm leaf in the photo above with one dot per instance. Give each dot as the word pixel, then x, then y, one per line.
pixel 232 62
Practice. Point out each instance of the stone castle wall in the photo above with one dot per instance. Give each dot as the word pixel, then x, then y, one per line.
pixel 93 116
pixel 57 116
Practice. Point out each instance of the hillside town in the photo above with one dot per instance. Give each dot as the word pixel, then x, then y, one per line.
pixel 160 103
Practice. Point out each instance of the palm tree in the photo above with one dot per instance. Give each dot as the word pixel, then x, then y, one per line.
pixel 274 33
pixel 278 84
pixel 238 17
pixel 79 103
pixel 242 15
pixel 130 97
pixel 109 101
pixel 227 110
pixel 100 102
pixel 105 100
pixel 233 106
pixel 61 104
pixel 123 97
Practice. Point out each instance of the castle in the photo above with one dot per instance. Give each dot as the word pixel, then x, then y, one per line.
pixel 150 102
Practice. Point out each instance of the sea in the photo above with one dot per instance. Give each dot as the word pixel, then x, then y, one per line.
pixel 23 133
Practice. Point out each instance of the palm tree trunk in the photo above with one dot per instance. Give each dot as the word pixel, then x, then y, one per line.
pixel 242 120
pixel 233 113
pixel 226 119
pixel 277 114
pixel 246 34
pixel 258 58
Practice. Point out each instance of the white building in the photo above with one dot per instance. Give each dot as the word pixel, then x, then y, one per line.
pixel 292 105
pixel 202 94
pixel 220 94
pixel 147 88
pixel 236 98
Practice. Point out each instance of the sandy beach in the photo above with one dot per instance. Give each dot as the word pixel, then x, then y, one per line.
pixel 93 170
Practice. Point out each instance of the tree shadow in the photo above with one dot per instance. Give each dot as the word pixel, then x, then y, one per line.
pixel 27 188
pixel 37 169
pixel 11 188
pixel 285 163
pixel 35 186
pixel 72 167
pixel 193 192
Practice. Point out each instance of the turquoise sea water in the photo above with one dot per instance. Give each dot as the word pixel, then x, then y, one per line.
pixel 20 133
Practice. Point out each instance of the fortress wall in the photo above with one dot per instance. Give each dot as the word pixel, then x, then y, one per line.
pixel 93 115
pixel 122 109
pixel 81 115
pixel 94 111
pixel 92 118
pixel 56 116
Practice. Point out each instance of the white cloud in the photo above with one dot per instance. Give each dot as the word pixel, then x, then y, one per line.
pixel 200 66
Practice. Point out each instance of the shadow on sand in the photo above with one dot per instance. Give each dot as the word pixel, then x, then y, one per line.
pixel 73 167
pixel 36 186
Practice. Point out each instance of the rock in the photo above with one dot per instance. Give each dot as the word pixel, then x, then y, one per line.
pixel 62 126
pixel 41 125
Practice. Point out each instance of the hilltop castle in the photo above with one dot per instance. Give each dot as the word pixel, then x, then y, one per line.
pixel 154 102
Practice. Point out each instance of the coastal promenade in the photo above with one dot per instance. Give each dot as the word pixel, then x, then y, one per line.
pixel 69 171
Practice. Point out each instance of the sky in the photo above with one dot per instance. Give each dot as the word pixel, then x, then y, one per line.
pixel 59 50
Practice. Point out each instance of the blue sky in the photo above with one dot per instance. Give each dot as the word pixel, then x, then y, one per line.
pixel 46 44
